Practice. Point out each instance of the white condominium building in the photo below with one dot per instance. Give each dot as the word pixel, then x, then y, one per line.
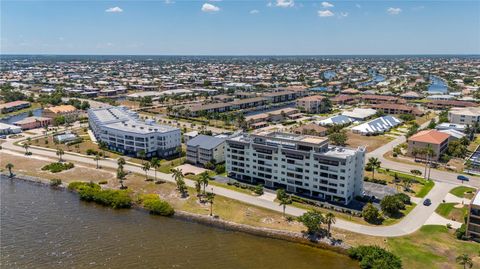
pixel 123 131
pixel 464 115
pixel 300 164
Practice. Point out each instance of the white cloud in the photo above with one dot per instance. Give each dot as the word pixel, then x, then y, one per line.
pixel 269 4
pixel 325 13
pixel 114 10
pixel 285 3
pixel 327 4
pixel 254 11
pixel 210 8
pixel 168 2
pixel 394 10
pixel 343 14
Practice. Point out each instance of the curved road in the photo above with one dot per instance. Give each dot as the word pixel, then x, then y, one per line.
pixel 413 221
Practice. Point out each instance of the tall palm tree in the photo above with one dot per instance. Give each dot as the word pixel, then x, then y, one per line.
pixel 121 162
pixel 373 163
pixel 177 174
pixel 329 220
pixel 97 158
pixel 284 199
pixel 428 151
pixel 465 260
pixel 142 155
pixel 198 188
pixel 146 168
pixel 120 172
pixel 9 166
pixel 26 146
pixel 204 178
pixel 210 197
pixel 155 164
pixel 59 153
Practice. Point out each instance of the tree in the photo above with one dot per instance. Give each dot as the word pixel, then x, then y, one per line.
pixel 26 146
pixel 9 166
pixel 371 214
pixel 428 151
pixel 432 124
pixel 391 205
pixel 313 220
pixel 373 163
pixel 146 168
pixel 329 220
pixel 204 178
pixel 59 153
pixel 210 197
pixel 97 158
pixel 120 172
pixel 284 199
pixel 142 155
pixel 198 188
pixel 374 257
pixel 339 138
pixel 182 187
pixel 465 260
pixel 155 164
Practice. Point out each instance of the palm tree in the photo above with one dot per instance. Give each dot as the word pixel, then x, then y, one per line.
pixel 142 155
pixel 120 172
pixel 97 158
pixel 284 199
pixel 155 163
pixel 329 220
pixel 210 197
pixel 373 163
pixel 60 152
pixel 465 260
pixel 428 151
pixel 198 188
pixel 177 174
pixel 204 178
pixel 26 146
pixel 146 168
pixel 121 162
pixel 9 166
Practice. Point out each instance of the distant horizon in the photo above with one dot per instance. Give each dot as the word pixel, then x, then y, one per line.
pixel 240 28
pixel 236 55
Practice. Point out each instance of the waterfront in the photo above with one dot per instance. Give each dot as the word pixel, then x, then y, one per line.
pixel 437 85
pixel 46 228
pixel 11 119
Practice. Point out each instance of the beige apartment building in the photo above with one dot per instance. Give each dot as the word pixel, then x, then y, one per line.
pixel 311 104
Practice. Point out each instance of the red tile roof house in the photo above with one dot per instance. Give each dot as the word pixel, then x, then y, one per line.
pixel 437 140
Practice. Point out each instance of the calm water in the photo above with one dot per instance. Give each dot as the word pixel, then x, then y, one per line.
pixel 437 85
pixel 45 228
pixel 21 116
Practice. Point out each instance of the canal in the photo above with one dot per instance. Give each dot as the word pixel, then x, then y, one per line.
pixel 46 228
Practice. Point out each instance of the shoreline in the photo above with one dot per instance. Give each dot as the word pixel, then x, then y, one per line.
pixel 293 237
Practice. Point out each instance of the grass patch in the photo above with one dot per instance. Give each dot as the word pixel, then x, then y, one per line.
pixel 449 211
pixel 58 167
pixel 463 192
pixel 427 187
pixel 433 246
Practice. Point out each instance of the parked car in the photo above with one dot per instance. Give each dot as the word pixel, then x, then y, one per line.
pixel 427 202
pixel 462 178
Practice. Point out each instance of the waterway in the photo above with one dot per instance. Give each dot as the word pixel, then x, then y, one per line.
pixel 46 228
pixel 10 120
pixel 437 85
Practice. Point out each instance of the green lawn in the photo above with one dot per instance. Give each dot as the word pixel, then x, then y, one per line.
pixel 427 186
pixel 433 246
pixel 463 192
pixel 449 211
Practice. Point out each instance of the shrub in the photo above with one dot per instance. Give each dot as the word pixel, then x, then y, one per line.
pixel 55 182
pixel 416 172
pixel 461 232
pixel 58 167
pixel 157 206
pixel 103 182
pixel 404 198
pixel 92 192
pixel 371 214
pixel 258 190
pixel 220 169
pixel 374 257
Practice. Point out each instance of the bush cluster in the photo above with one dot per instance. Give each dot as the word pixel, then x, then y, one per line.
pixel 374 180
pixel 92 192
pixel 156 206
pixel 374 257
pixel 55 182
pixel 58 167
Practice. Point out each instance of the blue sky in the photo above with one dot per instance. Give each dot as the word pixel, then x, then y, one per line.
pixel 251 27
